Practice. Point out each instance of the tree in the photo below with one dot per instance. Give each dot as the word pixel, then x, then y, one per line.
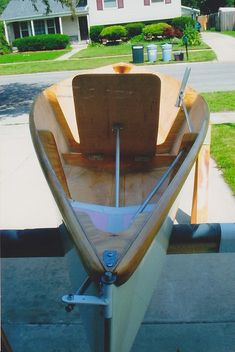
pixel 69 3
pixel 208 6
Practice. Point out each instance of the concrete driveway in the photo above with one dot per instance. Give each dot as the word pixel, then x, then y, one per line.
pixel 223 45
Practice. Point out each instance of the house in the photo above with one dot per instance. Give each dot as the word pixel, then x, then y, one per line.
pixel 22 19
pixel 190 11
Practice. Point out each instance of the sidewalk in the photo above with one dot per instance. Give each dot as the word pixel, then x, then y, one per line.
pixel 192 309
pixel 223 45
pixel 75 50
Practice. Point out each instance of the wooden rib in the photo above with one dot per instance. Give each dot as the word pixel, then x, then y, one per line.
pixel 51 96
pixel 50 146
pixel 178 126
pixel 108 163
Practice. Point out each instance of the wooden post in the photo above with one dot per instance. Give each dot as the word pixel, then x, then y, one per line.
pixel 199 211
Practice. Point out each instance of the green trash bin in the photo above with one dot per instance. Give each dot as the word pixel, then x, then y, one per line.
pixel 138 54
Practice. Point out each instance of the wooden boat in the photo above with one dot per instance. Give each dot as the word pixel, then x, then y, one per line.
pixel 116 149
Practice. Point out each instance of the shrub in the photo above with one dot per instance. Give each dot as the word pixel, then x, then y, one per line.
pixel 137 39
pixel 171 32
pixel 113 32
pixel 182 22
pixel 134 29
pixel 155 30
pixel 42 42
pixel 194 37
pixel 4 46
pixel 95 33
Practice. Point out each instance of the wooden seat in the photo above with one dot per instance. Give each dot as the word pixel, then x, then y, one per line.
pixel 131 100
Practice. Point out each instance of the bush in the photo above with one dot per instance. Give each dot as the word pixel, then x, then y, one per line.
pixel 95 33
pixel 137 39
pixel 113 32
pixel 152 31
pixel 182 22
pixel 171 32
pixel 42 42
pixel 134 29
pixel 4 46
pixel 194 37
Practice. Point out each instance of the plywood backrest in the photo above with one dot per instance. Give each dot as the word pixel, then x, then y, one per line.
pixel 132 100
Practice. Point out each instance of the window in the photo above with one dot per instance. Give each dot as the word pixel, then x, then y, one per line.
pixel 24 29
pixel 157 0
pixel 110 3
pixel 39 27
pixel 51 27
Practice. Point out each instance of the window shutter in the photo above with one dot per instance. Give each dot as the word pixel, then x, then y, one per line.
pixel 120 4
pixel 146 2
pixel 167 1
pixel 99 4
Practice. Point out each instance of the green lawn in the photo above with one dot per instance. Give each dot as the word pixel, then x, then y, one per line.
pixel 220 101
pixel 223 150
pixel 126 49
pixel 32 56
pixel 232 33
pixel 88 63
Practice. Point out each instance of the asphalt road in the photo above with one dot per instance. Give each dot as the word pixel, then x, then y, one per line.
pixel 18 92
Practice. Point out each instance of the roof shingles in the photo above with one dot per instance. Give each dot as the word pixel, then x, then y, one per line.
pixel 24 9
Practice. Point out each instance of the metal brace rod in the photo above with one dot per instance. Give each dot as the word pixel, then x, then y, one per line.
pixel 159 184
pixel 183 86
pixel 180 97
pixel 116 129
pixel 190 126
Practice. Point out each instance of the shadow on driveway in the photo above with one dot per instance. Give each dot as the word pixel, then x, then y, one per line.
pixel 16 98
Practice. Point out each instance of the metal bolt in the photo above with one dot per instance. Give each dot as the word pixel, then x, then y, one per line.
pixel 70 297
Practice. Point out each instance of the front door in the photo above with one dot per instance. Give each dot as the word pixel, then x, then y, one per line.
pixel 83 27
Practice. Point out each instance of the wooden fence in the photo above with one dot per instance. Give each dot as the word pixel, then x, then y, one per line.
pixel 222 20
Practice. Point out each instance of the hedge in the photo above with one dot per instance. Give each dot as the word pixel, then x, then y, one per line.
pixel 42 42
pixel 155 30
pixel 134 29
pixel 113 32
pixel 95 33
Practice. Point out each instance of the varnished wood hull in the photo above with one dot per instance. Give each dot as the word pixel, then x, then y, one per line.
pixel 156 147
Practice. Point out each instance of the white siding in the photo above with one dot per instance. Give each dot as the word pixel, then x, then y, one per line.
pixel 70 27
pixel 133 11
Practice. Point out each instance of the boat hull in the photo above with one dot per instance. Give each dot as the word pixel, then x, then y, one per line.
pixel 129 301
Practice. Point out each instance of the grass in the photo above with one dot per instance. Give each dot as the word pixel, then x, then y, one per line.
pixel 232 33
pixel 220 101
pixel 32 56
pixel 125 49
pixel 223 150
pixel 89 63
pixel 50 66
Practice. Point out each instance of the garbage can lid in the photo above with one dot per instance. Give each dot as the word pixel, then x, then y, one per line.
pixel 137 46
pixel 151 46
pixel 166 46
